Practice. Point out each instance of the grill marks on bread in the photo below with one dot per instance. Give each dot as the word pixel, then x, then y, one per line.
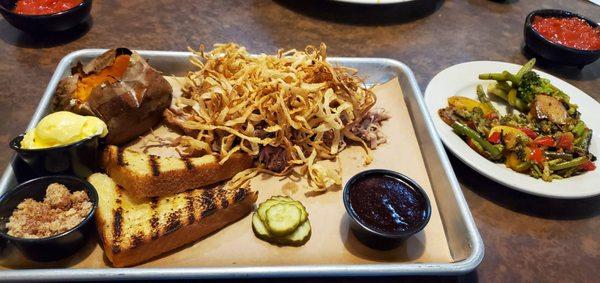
pixel 133 230
pixel 117 223
pixel 120 157
pixel 182 209
pixel 144 175
pixel 154 219
pixel 154 165
pixel 153 162
pixel 189 206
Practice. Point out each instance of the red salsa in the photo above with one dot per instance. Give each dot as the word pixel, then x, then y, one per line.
pixel 44 7
pixel 571 32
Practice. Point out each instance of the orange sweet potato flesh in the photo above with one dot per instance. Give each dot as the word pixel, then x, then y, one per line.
pixel 109 74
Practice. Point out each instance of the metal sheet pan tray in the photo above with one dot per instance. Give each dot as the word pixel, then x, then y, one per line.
pixel 463 240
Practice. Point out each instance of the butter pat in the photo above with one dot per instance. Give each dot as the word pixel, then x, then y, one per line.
pixel 62 128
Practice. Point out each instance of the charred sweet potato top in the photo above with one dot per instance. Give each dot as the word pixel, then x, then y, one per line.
pixel 109 74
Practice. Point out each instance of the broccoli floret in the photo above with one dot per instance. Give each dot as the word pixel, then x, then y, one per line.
pixel 531 84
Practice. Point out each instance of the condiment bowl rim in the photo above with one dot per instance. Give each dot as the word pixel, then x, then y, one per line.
pixel 563 13
pixel 13 144
pixel 399 176
pixel 85 185
pixel 68 11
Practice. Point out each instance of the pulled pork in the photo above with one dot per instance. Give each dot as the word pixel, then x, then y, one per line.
pixel 369 128
pixel 274 158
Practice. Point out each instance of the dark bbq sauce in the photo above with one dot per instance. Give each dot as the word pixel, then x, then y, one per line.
pixel 386 204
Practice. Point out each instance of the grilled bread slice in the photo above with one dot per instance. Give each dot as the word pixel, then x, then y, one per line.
pixel 133 231
pixel 145 175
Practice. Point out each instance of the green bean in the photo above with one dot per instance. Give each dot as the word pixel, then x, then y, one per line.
pixel 494 76
pixel 478 146
pixel 554 161
pixel 560 155
pixel 586 138
pixel 498 92
pixel 511 77
pixel 512 97
pixel 536 170
pixel 568 172
pixel 568 164
pixel 468 132
pixel 579 129
pixel 483 98
pixel 504 86
pixel 546 173
pixel 519 104
pixel 526 68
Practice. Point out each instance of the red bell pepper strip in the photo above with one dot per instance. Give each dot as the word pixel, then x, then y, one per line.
pixel 494 137
pixel 566 141
pixel 588 166
pixel 544 141
pixel 536 155
pixel 491 116
pixel 529 132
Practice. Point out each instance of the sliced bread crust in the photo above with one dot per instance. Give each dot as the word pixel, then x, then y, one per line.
pixel 145 175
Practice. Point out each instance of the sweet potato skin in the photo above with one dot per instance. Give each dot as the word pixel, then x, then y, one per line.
pixel 130 106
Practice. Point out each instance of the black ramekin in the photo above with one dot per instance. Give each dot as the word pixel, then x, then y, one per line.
pixel 374 238
pixel 80 158
pixel 51 22
pixel 57 246
pixel 555 52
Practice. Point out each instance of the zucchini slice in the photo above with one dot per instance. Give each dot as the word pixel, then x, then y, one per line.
pixel 283 219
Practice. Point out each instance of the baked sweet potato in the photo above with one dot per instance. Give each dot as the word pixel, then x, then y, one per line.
pixel 120 88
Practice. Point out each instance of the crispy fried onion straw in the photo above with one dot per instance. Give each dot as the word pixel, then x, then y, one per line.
pixel 294 101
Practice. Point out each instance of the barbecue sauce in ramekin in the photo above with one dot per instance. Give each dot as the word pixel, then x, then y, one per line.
pixel 387 204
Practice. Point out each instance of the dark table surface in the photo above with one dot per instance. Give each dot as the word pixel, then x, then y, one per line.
pixel 526 238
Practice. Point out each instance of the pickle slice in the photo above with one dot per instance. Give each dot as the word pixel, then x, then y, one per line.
pixel 299 237
pixel 295 202
pixel 263 207
pixel 283 219
pixel 259 228
pixel 282 198
pixel 304 215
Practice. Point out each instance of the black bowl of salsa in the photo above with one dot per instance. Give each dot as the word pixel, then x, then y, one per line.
pixel 43 18
pixel 385 207
pixel 562 37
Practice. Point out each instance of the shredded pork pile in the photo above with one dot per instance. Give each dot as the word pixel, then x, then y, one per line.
pixel 287 110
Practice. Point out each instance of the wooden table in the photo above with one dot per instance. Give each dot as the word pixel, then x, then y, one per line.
pixel 526 238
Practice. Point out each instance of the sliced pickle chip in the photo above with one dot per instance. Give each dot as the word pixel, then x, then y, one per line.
pixel 283 219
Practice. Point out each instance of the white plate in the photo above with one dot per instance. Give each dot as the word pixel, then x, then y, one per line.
pixel 462 79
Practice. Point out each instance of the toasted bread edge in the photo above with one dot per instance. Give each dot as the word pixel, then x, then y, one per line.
pixel 173 181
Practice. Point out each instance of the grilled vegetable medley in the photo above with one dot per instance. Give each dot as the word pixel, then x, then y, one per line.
pixel 544 136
